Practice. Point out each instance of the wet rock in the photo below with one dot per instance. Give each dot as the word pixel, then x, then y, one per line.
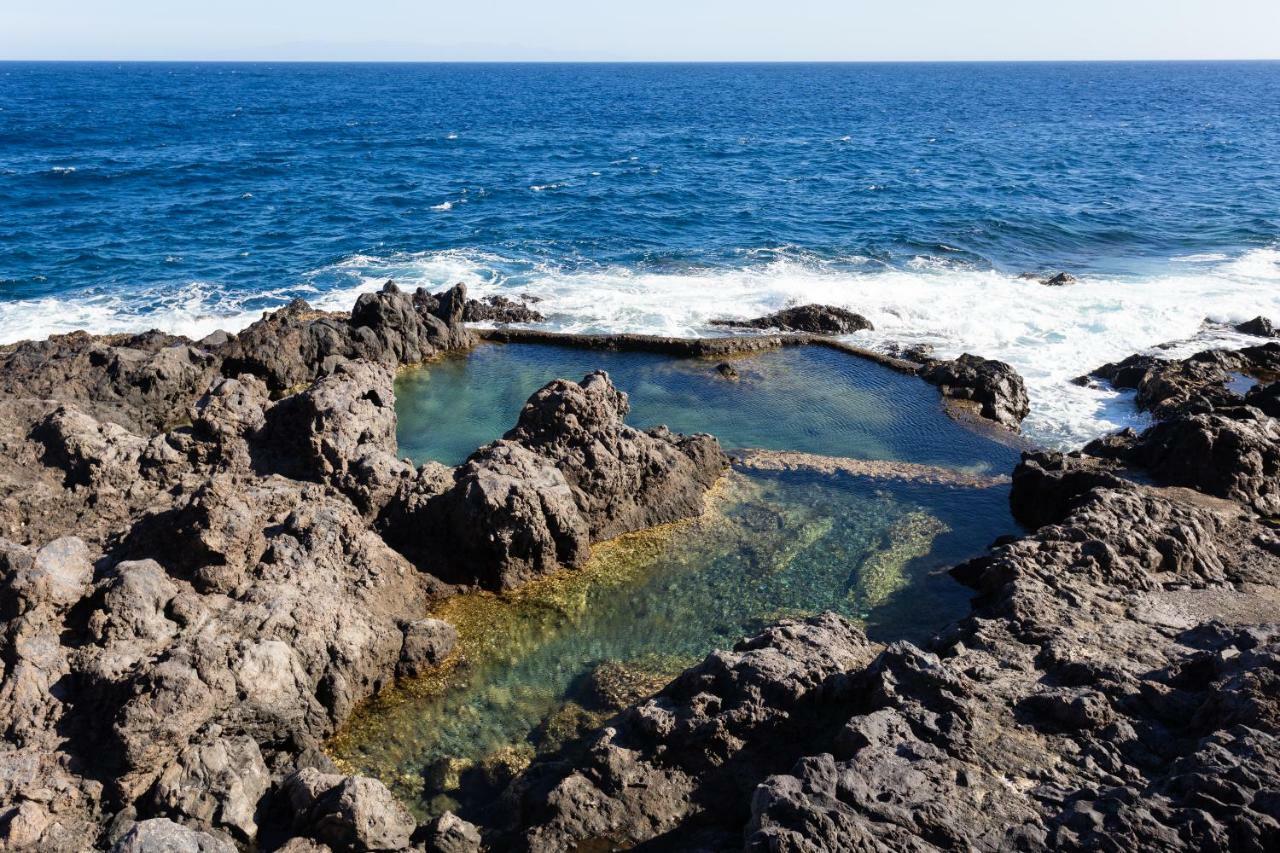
pixel 992 386
pixel 1192 385
pixel 162 835
pixel 427 642
pixel 816 319
pixel 1060 280
pixel 1260 326
pixel 500 309
pixel 727 370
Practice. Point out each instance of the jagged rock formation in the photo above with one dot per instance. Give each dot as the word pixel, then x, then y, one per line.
pixel 209 553
pixel 815 319
pixel 569 473
pixel 169 671
pixel 992 387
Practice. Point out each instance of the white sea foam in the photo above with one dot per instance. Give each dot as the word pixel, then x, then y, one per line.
pixel 444 205
pixel 1049 334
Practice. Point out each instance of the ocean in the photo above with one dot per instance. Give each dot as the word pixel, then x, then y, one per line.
pixel 652 198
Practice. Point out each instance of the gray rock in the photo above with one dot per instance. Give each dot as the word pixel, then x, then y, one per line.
pixel 162 835
pixel 218 783
pixel 427 642
pixel 992 386
pixel 451 834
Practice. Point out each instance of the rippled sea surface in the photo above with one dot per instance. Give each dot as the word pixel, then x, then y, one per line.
pixel 656 197
pixel 539 665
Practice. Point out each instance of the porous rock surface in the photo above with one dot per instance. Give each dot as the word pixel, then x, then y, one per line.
pixel 201 574
pixel 569 473
pixel 195 587
pixel 993 387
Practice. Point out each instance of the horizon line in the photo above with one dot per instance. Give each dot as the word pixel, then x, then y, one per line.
pixel 1037 61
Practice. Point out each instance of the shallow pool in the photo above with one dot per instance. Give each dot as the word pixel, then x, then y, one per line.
pixel 538 665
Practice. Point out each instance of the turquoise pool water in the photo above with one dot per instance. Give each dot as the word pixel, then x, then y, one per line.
pixel 530 663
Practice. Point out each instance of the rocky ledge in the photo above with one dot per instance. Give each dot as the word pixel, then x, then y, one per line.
pixel 210 552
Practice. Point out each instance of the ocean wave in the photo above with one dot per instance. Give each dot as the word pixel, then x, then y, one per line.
pixel 1050 335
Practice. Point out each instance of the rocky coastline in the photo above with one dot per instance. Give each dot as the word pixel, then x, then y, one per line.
pixel 210 554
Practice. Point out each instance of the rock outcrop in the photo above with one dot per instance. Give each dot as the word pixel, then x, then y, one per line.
pixel 569 473
pixel 296 344
pixel 815 319
pixel 992 387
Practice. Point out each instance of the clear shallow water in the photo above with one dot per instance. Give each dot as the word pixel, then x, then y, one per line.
pixel 771 545
pixel 654 197
pixel 809 399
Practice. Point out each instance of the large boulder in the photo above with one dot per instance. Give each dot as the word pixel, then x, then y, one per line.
pixel 1232 453
pixel 569 473
pixel 349 813
pixel 993 387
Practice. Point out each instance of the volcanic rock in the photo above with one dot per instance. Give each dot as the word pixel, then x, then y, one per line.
pixel 992 386
pixel 816 319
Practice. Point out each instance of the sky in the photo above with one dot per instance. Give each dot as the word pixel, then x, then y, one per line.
pixel 662 30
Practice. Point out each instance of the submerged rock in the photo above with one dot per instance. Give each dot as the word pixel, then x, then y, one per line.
pixel 816 319
pixel 992 386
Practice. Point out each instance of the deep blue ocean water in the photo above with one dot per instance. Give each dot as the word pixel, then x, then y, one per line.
pixel 652 197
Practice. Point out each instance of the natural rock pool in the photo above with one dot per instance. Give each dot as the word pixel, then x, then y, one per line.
pixel 785 534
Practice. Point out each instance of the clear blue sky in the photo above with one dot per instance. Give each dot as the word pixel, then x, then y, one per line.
pixel 643 29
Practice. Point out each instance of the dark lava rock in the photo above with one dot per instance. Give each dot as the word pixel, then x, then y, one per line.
pixel 1061 279
pixel 1259 326
pixel 817 319
pixel 993 386
pixel 1048 485
pixel 1199 383
pixel 1233 455
pixel 1057 718
pixel 297 344
pixel 727 370
pixel 569 473
pixel 500 309
pixel 141 382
